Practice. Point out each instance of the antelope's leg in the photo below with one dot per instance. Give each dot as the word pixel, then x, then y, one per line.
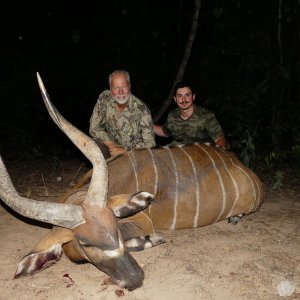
pixel 129 205
pixel 144 242
pixel 138 232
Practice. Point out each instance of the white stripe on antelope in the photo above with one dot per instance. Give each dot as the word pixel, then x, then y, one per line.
pixel 100 223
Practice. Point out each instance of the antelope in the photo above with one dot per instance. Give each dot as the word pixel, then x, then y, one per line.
pixel 112 211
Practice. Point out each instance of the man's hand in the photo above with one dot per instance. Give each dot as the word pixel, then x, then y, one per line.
pixel 116 150
pixel 159 131
pixel 113 148
pixel 221 142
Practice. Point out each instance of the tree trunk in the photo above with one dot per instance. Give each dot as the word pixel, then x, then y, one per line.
pixel 184 61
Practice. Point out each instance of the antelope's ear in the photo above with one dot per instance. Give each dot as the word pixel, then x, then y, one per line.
pixel 45 253
pixel 125 205
pixel 38 261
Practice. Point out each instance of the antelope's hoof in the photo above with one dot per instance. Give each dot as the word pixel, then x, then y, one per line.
pixel 234 219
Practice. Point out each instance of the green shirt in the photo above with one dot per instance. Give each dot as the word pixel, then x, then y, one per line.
pixel 202 126
pixel 132 128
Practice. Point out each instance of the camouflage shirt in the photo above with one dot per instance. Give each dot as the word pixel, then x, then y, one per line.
pixel 202 126
pixel 133 128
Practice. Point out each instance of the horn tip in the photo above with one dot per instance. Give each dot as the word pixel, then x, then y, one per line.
pixel 40 81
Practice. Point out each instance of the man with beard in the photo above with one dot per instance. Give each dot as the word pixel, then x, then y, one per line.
pixel 120 121
pixel 190 123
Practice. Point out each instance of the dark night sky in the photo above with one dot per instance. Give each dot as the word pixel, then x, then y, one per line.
pixel 74 45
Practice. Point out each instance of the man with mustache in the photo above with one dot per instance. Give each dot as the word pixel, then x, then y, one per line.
pixel 120 121
pixel 190 123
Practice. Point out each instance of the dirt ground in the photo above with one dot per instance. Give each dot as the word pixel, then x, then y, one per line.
pixel 219 261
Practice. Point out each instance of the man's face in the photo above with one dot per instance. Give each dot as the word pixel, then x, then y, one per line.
pixel 120 88
pixel 184 98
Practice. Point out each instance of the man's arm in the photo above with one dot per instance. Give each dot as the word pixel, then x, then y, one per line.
pixel 159 130
pixel 98 119
pixel 146 129
pixel 215 131
pixel 98 125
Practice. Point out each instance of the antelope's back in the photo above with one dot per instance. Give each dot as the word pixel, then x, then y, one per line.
pixel 193 185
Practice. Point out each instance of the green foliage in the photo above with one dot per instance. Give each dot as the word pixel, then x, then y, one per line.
pixel 245 148
pixel 243 79
pixel 275 158
pixel 278 159
pixel 289 161
pixel 278 180
pixel 296 152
